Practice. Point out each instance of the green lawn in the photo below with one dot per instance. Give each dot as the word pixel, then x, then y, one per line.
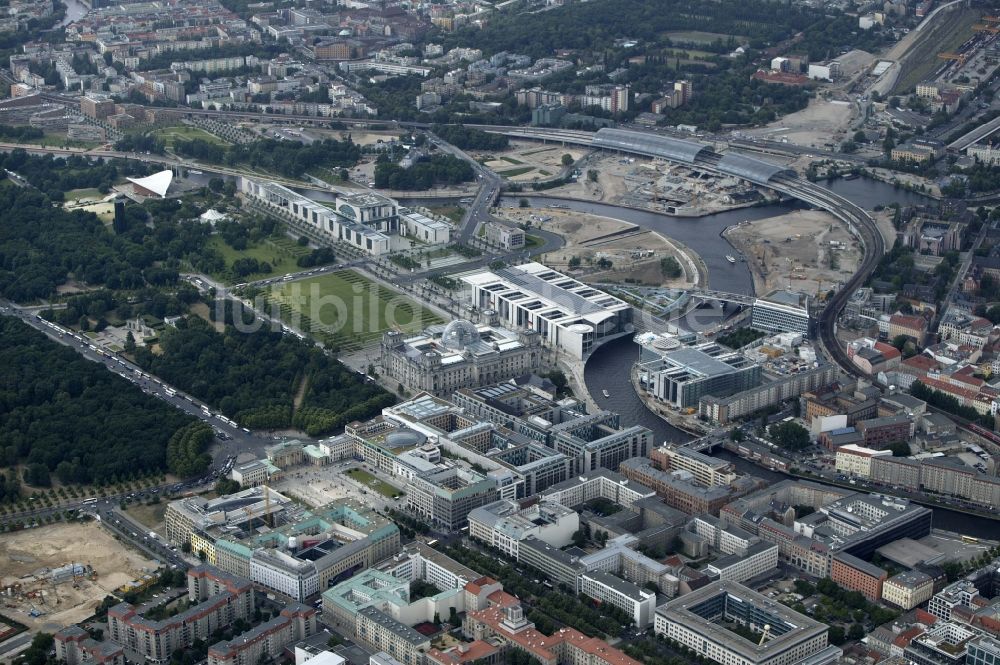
pixel 454 212
pixel 521 170
pixel 88 193
pixel 186 133
pixel 365 478
pixel 281 252
pixel 511 160
pixel 531 241
pixel 700 37
pixel 345 310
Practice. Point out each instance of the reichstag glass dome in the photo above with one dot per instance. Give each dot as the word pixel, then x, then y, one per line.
pixel 459 334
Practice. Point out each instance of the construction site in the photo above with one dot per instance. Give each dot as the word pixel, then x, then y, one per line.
pixel 634 252
pixel 805 250
pixel 54 576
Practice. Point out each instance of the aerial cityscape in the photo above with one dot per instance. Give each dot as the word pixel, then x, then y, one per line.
pixel 500 332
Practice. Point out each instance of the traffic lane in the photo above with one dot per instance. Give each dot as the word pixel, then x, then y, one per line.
pixel 134 374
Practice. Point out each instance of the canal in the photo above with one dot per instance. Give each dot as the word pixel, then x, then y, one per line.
pixel 609 367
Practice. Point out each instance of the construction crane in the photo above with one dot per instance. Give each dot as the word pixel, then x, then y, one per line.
pixel 957 57
pixel 267 505
pixel 765 634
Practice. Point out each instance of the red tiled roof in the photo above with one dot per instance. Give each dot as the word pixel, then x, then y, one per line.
pixel 921 363
pixel 906 321
pixel 888 351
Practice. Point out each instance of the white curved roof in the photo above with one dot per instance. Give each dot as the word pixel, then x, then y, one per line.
pixel 158 183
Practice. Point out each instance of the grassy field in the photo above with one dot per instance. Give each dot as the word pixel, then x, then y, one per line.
pixel 150 515
pixel 367 479
pixel 186 133
pixel 511 160
pixel 454 213
pixel 345 310
pixel 281 252
pixel 699 37
pixel 531 241
pixel 88 193
pixel 521 170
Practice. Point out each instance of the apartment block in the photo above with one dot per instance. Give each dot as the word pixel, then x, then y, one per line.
pixel 268 640
pixel 157 640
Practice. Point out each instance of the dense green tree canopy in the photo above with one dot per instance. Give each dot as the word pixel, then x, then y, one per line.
pixel 72 417
pixel 254 377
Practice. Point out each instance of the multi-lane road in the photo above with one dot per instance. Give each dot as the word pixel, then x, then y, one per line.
pixel 232 438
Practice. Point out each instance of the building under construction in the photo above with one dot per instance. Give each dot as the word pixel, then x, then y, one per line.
pixel 261 535
pixel 235 516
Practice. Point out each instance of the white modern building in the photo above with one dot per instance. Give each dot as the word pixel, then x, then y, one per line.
pixel 607 588
pixel 504 524
pixel 570 315
pixel 413 224
pixel 362 221
pixel 597 484
pixel 782 311
pixel 760 558
pixel 856 461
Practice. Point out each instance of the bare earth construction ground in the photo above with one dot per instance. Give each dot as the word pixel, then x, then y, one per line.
pixel 794 251
pixel 591 237
pixel 30 553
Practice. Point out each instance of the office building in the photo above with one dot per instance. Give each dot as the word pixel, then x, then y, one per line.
pixel 458 355
pixel 620 557
pixel 559 566
pixel 597 484
pixel 880 433
pixel 505 236
pixel 908 589
pixel 707 470
pixel 361 221
pixel 607 588
pixel 957 594
pixel 679 489
pixel 856 461
pixel 504 524
pixel 724 410
pixel 782 311
pixel 597 440
pixel 236 513
pixel 983 650
pixel 856 574
pixel 682 376
pixel 759 558
pixel 445 498
pixel 700 621
pixel 944 643
pixel 292 552
pixel 570 315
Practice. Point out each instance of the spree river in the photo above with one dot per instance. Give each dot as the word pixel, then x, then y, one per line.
pixel 609 367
